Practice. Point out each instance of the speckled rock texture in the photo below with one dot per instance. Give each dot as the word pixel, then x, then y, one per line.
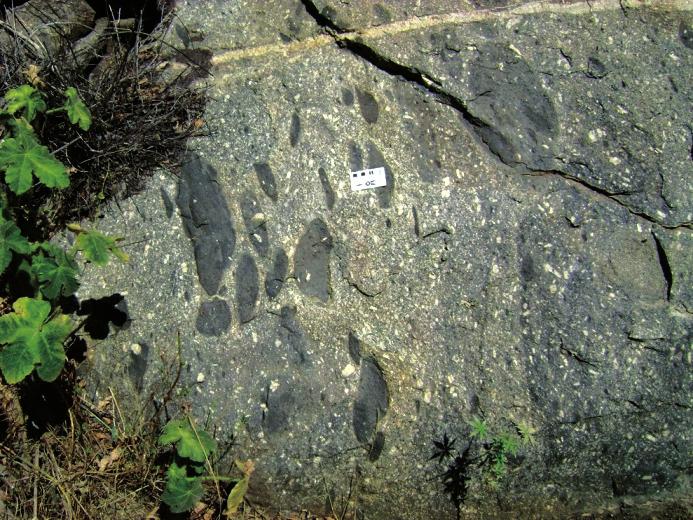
pixel 529 260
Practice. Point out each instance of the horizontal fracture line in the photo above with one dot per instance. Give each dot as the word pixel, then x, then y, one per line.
pixel 424 22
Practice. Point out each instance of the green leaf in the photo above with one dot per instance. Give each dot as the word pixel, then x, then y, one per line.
pixel 31 341
pixel 50 347
pixel 16 362
pixel 11 239
pixel 498 467
pixel 23 155
pixel 97 247
pixel 527 433
pixel 77 111
pixel 508 443
pixel 57 275
pixel 235 499
pixel 193 444
pixel 20 126
pixel 479 428
pixel 28 312
pixel 182 492
pixel 25 97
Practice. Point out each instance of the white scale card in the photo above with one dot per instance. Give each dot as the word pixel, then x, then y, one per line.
pixel 367 179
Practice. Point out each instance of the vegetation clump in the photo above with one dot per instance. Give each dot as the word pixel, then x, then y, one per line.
pixel 75 133
pixel 142 107
pixel 34 332
pixel 486 453
pixel 194 449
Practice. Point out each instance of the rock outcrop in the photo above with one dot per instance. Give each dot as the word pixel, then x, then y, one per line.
pixel 527 262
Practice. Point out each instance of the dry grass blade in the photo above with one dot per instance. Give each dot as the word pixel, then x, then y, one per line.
pixel 66 476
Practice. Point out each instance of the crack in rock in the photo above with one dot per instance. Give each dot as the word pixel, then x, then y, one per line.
pixel 602 193
pixel 664 263
pixel 322 18
pixel 576 356
pixel 494 142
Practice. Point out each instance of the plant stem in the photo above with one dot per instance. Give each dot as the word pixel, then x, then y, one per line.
pixel 217 478
pixel 36 465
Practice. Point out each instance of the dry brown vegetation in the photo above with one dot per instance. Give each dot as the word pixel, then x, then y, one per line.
pixel 144 108
pixel 92 467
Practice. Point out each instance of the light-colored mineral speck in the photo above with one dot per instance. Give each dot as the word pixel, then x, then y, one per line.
pixel 348 370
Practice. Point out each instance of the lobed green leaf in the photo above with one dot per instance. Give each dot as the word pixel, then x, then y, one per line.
pixel 11 239
pixel 196 445
pixel 182 492
pixel 27 98
pixel 31 341
pixel 77 111
pixel 23 156
pixel 50 347
pixel 98 247
pixel 57 274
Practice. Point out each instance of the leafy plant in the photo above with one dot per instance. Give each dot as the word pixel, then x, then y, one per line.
pixel 497 452
pixel 27 98
pixel 182 491
pixel 184 476
pixel 77 111
pixel 33 340
pixel 56 271
pixel 526 432
pixel 11 240
pixel 97 247
pixel 23 157
pixel 479 428
pixel 189 442
pixel 32 335
pixel 493 453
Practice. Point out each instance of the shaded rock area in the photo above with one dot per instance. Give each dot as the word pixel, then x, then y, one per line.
pixel 207 221
pixel 213 318
pixel 371 401
pixel 529 260
pixel 276 276
pixel 266 179
pixel 312 261
pixel 542 102
pixel 38 20
pixel 247 288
